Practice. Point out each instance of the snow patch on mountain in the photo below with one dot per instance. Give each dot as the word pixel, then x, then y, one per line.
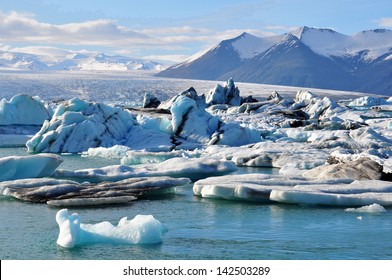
pixel 48 58
pixel 249 46
pixel 328 42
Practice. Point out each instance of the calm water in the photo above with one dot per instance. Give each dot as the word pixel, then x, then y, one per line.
pixel 201 229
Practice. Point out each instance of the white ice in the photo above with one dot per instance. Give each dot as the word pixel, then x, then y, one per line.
pixel 143 229
pixel 79 125
pixel 33 166
pixel 357 193
pixel 23 110
pixel 252 187
pixel 193 168
pixel 116 151
pixel 373 208
pixel 367 101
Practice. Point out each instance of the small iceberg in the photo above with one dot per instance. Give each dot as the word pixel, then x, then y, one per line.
pixel 143 229
pixel 33 166
pixel 373 208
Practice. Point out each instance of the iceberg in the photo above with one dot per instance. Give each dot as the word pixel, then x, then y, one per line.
pixel 374 208
pixel 193 168
pixel 361 169
pixel 289 157
pixel 78 125
pixel 141 157
pixel 143 229
pixel 368 101
pixel 23 110
pixel 66 192
pixel 264 188
pixel 252 187
pixel 227 94
pixel 116 151
pixel 33 166
pixel 357 193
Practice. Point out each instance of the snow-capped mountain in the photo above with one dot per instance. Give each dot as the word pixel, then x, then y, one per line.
pixel 309 57
pixel 67 60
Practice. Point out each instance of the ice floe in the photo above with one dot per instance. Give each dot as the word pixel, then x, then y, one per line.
pixel 70 193
pixel 295 190
pixel 33 166
pixel 373 208
pixel 253 187
pixel 142 229
pixel 193 168
pixel 357 193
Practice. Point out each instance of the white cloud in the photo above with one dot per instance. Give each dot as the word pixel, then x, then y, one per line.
pixel 19 27
pixel 165 43
pixel 385 22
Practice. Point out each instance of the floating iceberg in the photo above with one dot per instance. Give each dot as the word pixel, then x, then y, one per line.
pixel 23 110
pixel 193 168
pixel 357 193
pixel 70 193
pixel 374 208
pixel 116 151
pixel 34 166
pixel 143 229
pixel 295 190
pixel 79 125
pixel 139 157
pixel 252 187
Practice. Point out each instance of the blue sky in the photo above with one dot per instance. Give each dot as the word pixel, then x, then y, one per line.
pixel 173 29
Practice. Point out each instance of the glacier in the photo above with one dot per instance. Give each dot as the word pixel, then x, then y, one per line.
pixel 142 229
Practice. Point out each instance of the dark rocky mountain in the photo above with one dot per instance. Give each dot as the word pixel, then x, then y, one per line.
pixel 307 57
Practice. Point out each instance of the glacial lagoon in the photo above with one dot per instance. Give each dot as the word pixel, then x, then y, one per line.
pixel 203 227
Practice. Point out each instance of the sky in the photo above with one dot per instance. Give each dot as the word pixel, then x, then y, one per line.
pixel 172 30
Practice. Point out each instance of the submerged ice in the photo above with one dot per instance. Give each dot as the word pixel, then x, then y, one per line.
pixel 142 229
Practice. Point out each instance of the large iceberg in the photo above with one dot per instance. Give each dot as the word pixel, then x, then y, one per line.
pixel 78 125
pixel 34 166
pixel 143 229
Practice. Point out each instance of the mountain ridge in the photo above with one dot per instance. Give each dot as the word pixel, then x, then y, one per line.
pixel 67 60
pixel 324 59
